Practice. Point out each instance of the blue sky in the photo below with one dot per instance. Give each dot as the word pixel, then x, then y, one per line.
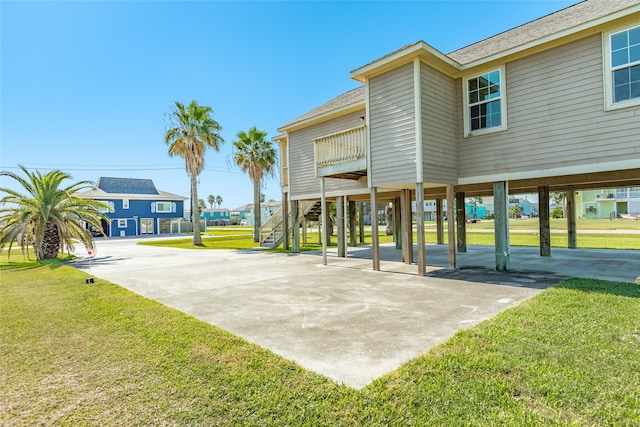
pixel 85 86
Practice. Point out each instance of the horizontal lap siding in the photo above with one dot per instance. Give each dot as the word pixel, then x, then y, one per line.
pixel 556 117
pixel 392 127
pixel 302 179
pixel 439 123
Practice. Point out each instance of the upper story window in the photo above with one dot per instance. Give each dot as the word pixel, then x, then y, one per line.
pixel 163 207
pixel 125 203
pixel 622 68
pixel 485 102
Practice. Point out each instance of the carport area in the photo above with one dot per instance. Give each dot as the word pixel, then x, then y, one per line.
pixel 343 320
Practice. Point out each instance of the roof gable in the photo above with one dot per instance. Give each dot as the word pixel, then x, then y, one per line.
pixel 126 185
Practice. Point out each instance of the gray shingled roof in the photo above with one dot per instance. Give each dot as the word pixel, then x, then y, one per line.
pixel 354 96
pixel 126 185
pixel 564 19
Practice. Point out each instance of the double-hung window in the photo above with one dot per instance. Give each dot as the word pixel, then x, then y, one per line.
pixel 622 68
pixel 485 102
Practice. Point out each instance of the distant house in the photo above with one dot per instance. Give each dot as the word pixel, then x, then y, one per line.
pixel 266 210
pixel 242 211
pixel 136 207
pixel 216 216
pixel 609 203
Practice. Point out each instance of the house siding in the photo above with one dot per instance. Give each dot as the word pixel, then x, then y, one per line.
pixel 138 209
pixel 392 127
pixel 439 122
pixel 553 121
pixel 302 159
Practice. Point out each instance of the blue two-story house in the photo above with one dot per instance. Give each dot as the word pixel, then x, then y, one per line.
pixel 136 207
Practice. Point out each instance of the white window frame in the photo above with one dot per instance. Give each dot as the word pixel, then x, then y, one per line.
pixel 125 203
pixel 122 221
pixel 158 204
pixel 608 72
pixel 502 98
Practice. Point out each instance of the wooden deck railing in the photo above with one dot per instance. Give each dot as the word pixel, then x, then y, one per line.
pixel 341 147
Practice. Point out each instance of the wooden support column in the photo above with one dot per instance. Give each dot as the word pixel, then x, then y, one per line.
pixel 295 227
pixel 407 226
pixel 353 234
pixel 304 231
pixel 501 225
pixel 571 219
pixel 451 227
pixel 361 222
pixel 461 222
pixel 325 221
pixel 397 223
pixel 340 226
pixel 545 230
pixel 422 255
pixel 286 238
pixel 375 241
pixel 439 223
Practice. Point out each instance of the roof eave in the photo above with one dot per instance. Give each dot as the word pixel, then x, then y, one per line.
pixel 421 50
pixel 323 117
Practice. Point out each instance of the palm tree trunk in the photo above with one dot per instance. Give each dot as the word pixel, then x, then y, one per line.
pixel 50 246
pixel 256 211
pixel 197 239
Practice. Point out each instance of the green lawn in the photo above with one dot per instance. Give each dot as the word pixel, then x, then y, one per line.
pixel 77 354
pixel 561 224
pixel 234 242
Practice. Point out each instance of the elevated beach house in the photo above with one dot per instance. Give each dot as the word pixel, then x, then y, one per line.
pixel 552 105
pixel 137 207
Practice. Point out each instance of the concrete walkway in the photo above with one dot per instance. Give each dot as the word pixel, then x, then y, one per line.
pixel 342 320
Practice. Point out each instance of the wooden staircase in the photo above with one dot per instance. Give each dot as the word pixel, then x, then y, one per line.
pixel 271 233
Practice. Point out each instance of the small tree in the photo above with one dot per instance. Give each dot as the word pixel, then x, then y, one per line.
pixel 475 201
pixel 559 198
pixel 513 211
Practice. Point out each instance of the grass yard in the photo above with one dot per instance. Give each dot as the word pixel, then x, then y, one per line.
pixel 234 242
pixel 561 224
pixel 77 354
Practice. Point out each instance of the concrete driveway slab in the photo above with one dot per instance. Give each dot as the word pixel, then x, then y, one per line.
pixel 341 320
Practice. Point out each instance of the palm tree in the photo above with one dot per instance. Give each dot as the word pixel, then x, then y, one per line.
pixel 256 156
pixel 192 131
pixel 211 199
pixel 219 201
pixel 47 215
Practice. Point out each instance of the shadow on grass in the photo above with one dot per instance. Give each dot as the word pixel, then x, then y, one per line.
pixel 624 289
pixel 29 264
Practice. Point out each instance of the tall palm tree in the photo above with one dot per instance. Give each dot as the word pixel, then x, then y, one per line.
pixel 191 132
pixel 219 201
pixel 257 157
pixel 211 199
pixel 48 215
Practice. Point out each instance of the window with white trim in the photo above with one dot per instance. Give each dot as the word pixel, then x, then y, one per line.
pixel 622 68
pixel 125 203
pixel 163 207
pixel 122 223
pixel 485 102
